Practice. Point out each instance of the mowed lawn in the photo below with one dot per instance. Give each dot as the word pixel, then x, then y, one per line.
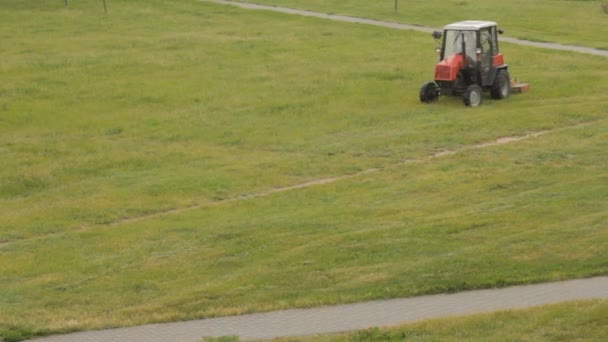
pixel 575 22
pixel 186 108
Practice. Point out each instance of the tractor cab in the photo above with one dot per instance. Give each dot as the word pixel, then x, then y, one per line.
pixel 469 62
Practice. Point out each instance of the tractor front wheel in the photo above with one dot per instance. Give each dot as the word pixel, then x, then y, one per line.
pixel 429 92
pixel 472 96
pixel 502 85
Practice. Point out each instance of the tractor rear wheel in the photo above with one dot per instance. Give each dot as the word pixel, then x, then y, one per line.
pixel 472 96
pixel 502 85
pixel 429 92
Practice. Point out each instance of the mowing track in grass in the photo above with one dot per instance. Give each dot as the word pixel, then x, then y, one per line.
pixel 317 182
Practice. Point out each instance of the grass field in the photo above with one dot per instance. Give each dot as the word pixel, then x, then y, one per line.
pixel 576 22
pixel 579 321
pixel 187 108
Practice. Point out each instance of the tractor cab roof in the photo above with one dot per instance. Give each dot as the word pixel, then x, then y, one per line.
pixel 469 25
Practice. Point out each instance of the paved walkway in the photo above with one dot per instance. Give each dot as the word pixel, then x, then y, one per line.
pixel 331 319
pixel 343 18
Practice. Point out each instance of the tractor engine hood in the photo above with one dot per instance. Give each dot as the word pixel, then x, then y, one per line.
pixel 447 69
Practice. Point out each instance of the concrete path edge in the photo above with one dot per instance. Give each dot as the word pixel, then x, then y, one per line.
pixel 348 317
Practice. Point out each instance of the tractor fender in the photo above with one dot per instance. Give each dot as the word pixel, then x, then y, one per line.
pixel 494 71
pixel 498 60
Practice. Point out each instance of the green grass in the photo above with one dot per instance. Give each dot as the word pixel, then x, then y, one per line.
pixel 184 104
pixel 561 21
pixel 578 321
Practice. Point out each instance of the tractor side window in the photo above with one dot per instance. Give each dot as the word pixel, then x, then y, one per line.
pixel 487 43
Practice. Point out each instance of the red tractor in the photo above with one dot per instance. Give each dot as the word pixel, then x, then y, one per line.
pixel 470 62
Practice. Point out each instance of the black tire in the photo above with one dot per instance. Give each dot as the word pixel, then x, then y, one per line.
pixel 502 85
pixel 429 92
pixel 472 96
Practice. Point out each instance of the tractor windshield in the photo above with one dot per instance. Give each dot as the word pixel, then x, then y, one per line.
pixel 460 42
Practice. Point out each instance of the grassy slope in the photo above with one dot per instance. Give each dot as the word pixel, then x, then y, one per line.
pixel 578 321
pixel 561 21
pixel 166 105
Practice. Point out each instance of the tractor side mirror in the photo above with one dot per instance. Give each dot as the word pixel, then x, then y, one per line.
pixel 501 31
pixel 437 34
